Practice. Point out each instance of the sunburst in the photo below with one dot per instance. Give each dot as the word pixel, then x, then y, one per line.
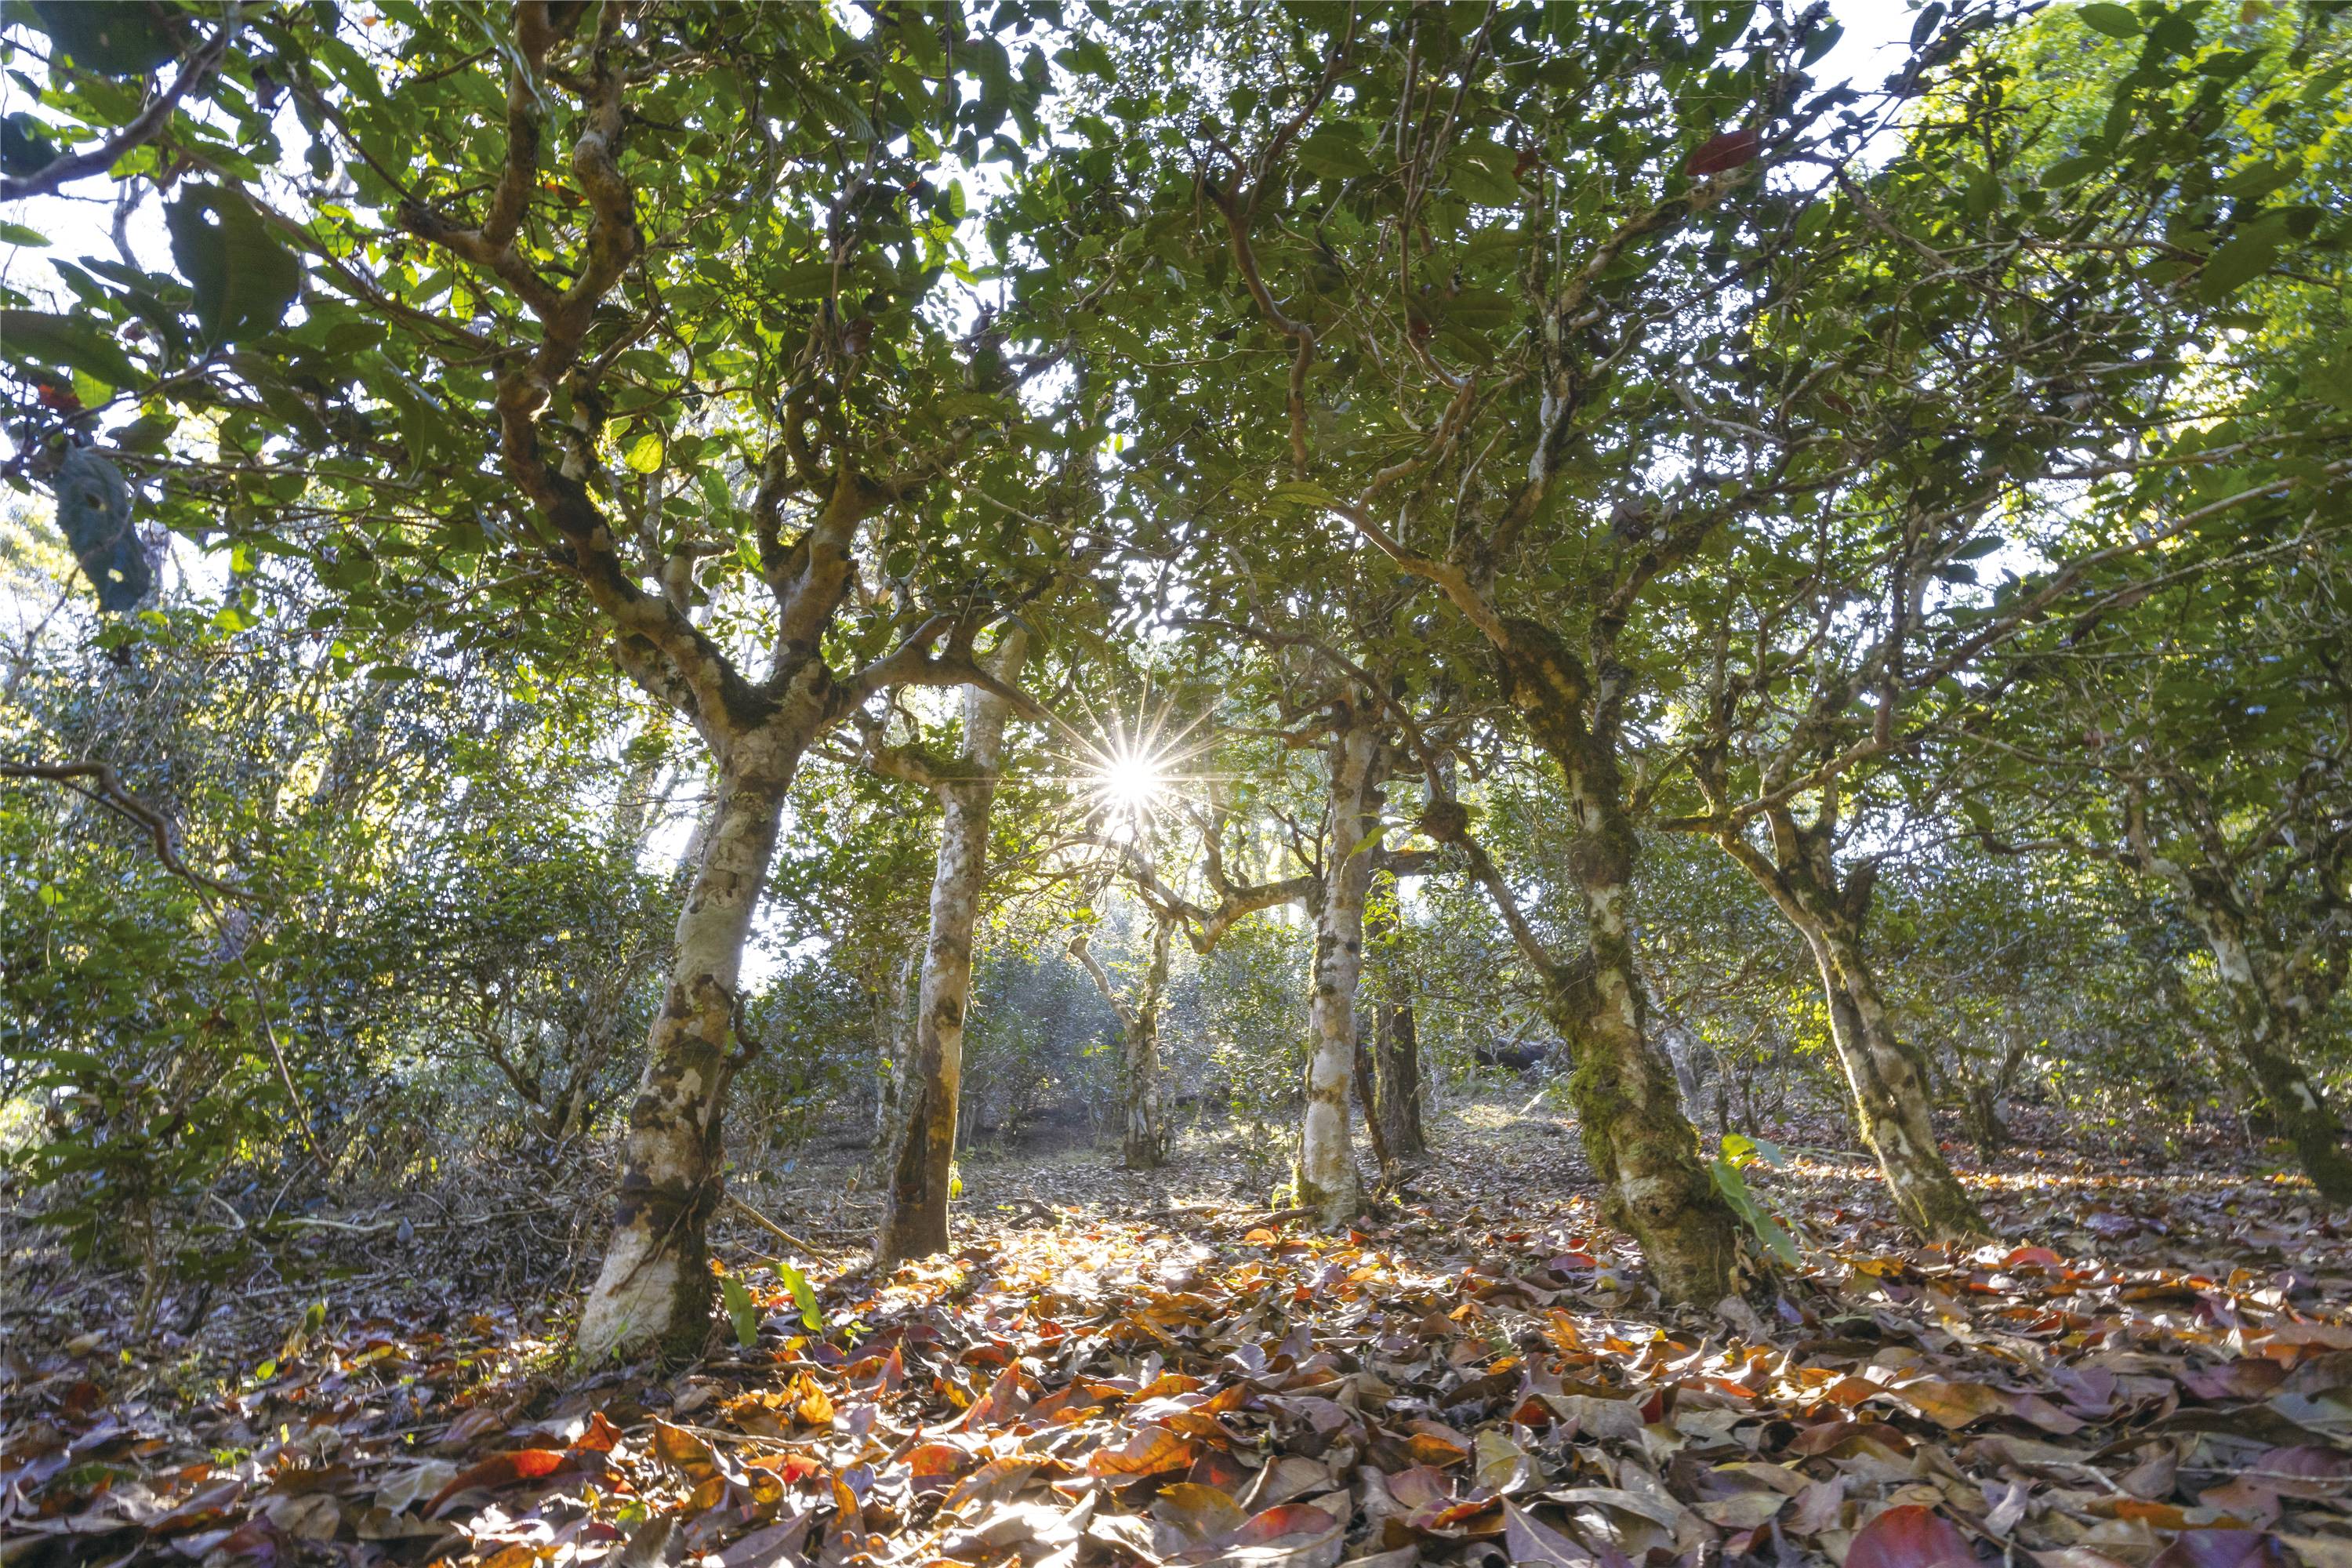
pixel 1136 771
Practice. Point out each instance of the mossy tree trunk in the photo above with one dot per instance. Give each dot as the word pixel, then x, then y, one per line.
pixel 1642 1149
pixel 654 1289
pixel 2266 1028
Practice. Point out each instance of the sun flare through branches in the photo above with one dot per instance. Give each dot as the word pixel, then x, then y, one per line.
pixel 1140 769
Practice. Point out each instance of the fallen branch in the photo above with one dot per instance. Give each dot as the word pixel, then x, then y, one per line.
pixel 774 1229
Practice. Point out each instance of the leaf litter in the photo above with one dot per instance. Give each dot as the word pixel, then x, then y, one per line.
pixel 2156 1371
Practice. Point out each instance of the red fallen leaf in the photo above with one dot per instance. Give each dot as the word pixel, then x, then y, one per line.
pixel 498 1470
pixel 1001 1403
pixel 2221 1548
pixel 1910 1536
pixel 2036 1257
pixel 1215 1468
pixel 1287 1535
pixel 935 1466
pixel 2250 1378
pixel 792 1469
pixel 1729 151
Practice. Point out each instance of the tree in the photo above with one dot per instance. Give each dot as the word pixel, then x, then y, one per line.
pixel 923 1143
pixel 1143 1116
pixel 695 397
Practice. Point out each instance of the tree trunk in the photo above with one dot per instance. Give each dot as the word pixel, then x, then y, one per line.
pixel 1643 1149
pixel 653 1290
pixel 893 1046
pixel 1885 1077
pixel 1145 1146
pixel 1395 1058
pixel 1889 1084
pixel 2266 1034
pixel 1327 1179
pixel 1988 1130
pixel 1143 1139
pixel 915 1215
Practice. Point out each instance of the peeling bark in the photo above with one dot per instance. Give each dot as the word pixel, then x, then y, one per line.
pixel 1327 1179
pixel 915 1216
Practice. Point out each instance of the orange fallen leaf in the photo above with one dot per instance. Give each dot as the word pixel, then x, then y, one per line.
pixel 1150 1452
pixel 498 1470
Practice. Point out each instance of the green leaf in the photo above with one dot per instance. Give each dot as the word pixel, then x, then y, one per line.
pixel 803 1295
pixel 17 234
pixel 1088 55
pixel 118 39
pixel 2073 170
pixel 25 144
pixel 2260 180
pixel 741 1310
pixel 1767 1230
pixel 2235 265
pixel 38 338
pixel 243 279
pixel 1335 153
pixel 2113 20
pixel 645 453
pixel 1299 492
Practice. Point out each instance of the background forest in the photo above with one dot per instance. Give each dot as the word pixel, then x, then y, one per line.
pixel 637 634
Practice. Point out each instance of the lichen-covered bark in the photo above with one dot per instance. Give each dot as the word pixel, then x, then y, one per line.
pixel 654 1289
pixel 1642 1149
pixel 1327 1179
pixel 1889 1084
pixel 915 1215
pixel 1885 1077
pixel 2265 1028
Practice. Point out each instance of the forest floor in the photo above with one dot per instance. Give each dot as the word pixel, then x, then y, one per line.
pixel 2153 1368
